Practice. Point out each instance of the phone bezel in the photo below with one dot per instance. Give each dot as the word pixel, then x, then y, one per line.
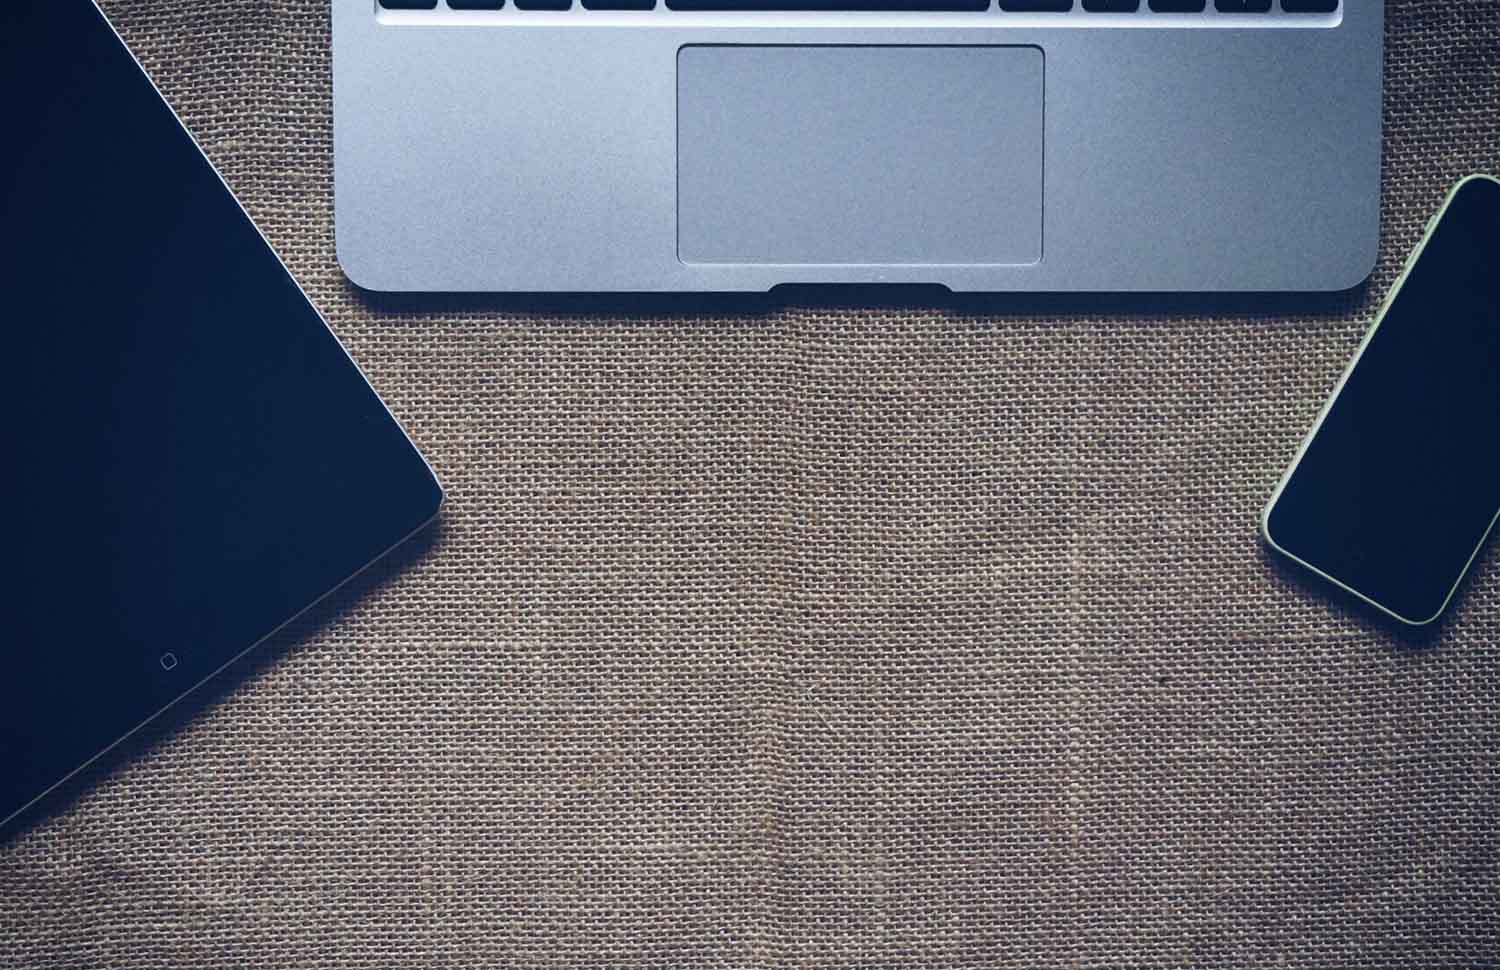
pixel 1390 299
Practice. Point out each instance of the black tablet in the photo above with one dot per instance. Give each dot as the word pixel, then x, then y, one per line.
pixel 190 459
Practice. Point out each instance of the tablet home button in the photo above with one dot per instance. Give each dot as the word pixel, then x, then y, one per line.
pixel 168 661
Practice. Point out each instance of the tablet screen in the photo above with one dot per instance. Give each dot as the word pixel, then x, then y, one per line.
pixel 191 459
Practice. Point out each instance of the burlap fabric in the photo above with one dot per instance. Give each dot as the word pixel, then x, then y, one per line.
pixel 776 636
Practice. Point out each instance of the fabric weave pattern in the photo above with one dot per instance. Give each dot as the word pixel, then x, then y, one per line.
pixel 767 636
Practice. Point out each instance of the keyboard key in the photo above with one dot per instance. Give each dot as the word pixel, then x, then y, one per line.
pixel 971 6
pixel 1037 6
pixel 1112 6
pixel 476 4
pixel 1243 6
pixel 1309 6
pixel 619 4
pixel 543 4
pixel 409 4
pixel 1178 6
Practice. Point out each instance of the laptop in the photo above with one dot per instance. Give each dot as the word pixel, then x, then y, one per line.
pixel 738 145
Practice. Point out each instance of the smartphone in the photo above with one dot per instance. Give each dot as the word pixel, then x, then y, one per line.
pixel 1397 487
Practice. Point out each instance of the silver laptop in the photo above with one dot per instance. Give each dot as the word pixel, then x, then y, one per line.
pixel 736 145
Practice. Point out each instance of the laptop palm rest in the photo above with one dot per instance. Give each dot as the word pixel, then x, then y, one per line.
pixel 809 155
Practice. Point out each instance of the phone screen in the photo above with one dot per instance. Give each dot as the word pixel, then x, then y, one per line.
pixel 1398 485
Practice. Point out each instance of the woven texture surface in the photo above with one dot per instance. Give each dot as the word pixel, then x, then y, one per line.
pixel 769 636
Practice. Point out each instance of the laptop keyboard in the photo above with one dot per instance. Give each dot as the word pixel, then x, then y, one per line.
pixel 1269 7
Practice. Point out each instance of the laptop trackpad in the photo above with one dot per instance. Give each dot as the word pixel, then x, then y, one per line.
pixel 859 155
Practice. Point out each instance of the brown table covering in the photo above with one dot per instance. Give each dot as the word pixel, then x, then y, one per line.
pixel 764 635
